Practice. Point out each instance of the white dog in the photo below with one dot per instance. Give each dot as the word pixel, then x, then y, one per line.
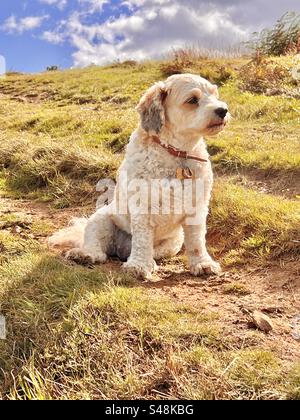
pixel 168 144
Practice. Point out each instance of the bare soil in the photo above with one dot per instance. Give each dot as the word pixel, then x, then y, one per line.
pixel 273 290
pixel 281 184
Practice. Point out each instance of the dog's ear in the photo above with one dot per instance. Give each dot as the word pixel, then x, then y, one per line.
pixel 151 108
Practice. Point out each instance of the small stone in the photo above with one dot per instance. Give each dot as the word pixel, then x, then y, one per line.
pixel 262 321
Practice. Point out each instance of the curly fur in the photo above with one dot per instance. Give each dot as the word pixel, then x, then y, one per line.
pixel 166 111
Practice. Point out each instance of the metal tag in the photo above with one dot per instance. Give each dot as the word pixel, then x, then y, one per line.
pixel 185 173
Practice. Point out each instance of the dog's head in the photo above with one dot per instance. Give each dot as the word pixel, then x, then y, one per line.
pixel 186 104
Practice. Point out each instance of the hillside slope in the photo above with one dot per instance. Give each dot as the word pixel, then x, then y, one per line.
pixel 92 332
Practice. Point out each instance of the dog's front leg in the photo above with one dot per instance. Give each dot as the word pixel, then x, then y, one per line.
pixel 141 262
pixel 200 261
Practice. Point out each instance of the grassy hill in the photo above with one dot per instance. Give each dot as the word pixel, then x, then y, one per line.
pixel 92 332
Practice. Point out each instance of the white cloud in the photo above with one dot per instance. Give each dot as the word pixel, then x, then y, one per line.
pixel 53 37
pixel 61 4
pixel 151 28
pixel 12 25
pixel 94 5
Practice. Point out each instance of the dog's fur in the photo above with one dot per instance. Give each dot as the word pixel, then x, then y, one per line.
pixel 165 112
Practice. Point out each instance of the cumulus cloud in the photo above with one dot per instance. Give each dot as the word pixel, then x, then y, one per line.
pixel 151 29
pixel 142 29
pixel 12 25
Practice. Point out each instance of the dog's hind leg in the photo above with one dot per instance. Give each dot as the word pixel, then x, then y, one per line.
pixel 98 237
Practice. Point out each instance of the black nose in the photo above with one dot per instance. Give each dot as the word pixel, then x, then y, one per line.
pixel 221 112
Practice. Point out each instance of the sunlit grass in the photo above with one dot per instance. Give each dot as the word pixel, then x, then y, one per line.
pixel 76 332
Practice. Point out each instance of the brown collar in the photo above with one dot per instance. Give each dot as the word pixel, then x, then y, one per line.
pixel 176 152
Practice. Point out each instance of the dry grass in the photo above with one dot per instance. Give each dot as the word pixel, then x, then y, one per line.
pixel 282 39
pixel 219 74
pixel 217 66
pixel 53 172
pixel 264 75
pixel 246 230
pixel 86 337
pixel 76 332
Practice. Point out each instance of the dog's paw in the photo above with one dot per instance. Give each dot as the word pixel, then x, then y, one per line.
pixel 137 270
pixel 82 257
pixel 206 267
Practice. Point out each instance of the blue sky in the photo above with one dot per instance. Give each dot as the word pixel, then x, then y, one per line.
pixel 38 33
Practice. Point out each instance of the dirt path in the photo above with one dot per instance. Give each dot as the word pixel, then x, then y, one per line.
pixel 281 184
pixel 273 290
pixel 40 212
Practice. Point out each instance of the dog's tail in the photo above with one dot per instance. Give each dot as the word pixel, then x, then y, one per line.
pixel 70 237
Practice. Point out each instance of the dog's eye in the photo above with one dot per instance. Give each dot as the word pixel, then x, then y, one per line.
pixel 193 101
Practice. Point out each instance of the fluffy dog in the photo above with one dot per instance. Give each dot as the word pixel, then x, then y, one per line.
pixel 176 115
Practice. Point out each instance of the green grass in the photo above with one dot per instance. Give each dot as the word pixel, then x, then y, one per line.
pixel 294 382
pixel 264 133
pixel 78 333
pixel 236 289
pixel 245 229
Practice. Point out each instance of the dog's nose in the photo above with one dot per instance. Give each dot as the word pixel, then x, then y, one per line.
pixel 221 112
